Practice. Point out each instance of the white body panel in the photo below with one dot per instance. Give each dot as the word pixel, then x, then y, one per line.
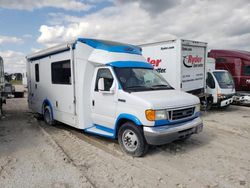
pixel 78 103
pixel 181 62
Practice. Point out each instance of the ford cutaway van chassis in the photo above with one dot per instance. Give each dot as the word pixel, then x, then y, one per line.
pixel 108 89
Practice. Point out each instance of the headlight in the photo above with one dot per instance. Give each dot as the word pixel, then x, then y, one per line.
pixel 197 107
pixel 220 96
pixel 153 115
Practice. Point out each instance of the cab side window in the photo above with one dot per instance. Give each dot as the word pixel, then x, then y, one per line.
pixel 210 81
pixel 247 70
pixel 108 78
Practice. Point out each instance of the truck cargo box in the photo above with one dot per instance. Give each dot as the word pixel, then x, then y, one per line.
pixel 181 63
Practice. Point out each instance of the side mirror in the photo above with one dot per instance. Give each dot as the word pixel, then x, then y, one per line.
pixel 101 84
pixel 101 87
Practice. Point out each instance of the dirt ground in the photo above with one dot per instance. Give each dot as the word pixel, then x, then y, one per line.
pixel 33 154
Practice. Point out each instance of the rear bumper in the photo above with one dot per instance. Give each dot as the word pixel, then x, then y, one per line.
pixel 168 133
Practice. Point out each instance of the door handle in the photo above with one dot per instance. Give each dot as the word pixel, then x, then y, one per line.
pixel 93 103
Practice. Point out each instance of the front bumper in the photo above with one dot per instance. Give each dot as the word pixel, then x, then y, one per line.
pixel 168 133
pixel 226 102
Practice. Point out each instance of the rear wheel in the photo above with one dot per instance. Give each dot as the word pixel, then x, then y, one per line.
pixel 131 140
pixel 48 116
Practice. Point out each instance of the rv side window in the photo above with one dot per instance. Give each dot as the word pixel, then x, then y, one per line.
pixel 210 81
pixel 108 79
pixel 37 72
pixel 61 72
pixel 247 70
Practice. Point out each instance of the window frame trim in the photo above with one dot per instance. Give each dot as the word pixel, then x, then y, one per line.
pixel 96 73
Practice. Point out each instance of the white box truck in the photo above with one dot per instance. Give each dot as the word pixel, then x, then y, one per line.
pixel 109 89
pixel 220 84
pixel 2 98
pixel 182 64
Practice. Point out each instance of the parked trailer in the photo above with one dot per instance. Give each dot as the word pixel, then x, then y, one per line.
pixel 109 89
pixel 238 64
pixel 182 64
pixel 220 84
pixel 2 98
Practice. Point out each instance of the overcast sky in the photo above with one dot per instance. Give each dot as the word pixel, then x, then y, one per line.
pixel 29 25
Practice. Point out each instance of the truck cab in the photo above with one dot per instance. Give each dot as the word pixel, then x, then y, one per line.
pixel 220 84
pixel 237 63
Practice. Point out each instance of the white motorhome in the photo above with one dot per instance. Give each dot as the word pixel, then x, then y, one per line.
pixel 2 98
pixel 181 63
pixel 108 88
pixel 220 84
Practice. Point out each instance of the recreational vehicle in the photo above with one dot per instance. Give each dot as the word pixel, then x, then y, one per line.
pixel 108 89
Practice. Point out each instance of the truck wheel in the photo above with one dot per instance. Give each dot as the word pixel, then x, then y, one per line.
pixel 48 116
pixel 131 140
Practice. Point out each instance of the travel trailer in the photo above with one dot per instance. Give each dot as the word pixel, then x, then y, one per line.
pixel 220 84
pixel 182 64
pixel 108 89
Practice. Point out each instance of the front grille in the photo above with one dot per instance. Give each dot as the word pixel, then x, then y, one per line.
pixel 181 114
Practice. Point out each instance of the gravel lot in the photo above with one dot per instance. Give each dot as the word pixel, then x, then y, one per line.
pixel 33 154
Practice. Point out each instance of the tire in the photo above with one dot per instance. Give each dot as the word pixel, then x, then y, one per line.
pixel 48 116
pixel 131 140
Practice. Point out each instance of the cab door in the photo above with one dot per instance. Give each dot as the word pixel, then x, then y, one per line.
pixel 104 103
pixel 211 86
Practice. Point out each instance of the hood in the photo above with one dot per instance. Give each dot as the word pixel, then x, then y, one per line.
pixel 162 99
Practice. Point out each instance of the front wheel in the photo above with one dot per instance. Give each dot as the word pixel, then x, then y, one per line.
pixel 131 140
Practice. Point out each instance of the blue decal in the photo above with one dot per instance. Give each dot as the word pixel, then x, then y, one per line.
pixel 129 117
pixel 47 102
pixel 137 64
pixel 106 129
pixel 111 46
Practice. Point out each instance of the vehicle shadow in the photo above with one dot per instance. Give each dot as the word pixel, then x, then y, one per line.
pixel 112 146
pixel 183 146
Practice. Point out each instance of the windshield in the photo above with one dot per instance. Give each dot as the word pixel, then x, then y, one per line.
pixel 140 79
pixel 224 79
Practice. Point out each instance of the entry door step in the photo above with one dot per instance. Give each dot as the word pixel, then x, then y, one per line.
pixel 101 130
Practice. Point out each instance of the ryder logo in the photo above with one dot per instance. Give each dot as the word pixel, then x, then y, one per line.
pixel 156 63
pixel 192 61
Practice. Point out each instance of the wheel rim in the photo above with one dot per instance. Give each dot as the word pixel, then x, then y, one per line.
pixel 47 116
pixel 130 140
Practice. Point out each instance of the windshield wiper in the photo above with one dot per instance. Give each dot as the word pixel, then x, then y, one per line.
pixel 161 86
pixel 137 87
